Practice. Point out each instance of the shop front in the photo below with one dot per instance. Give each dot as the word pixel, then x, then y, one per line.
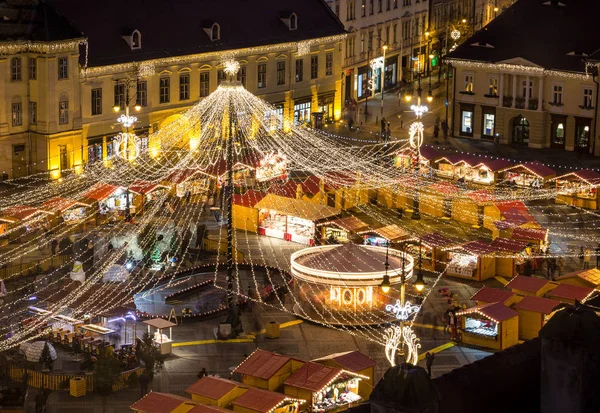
pixel 341 230
pixel 273 166
pixel 529 175
pixel 486 172
pixel 534 312
pixel 472 261
pixel 493 326
pixel 326 106
pixel 455 166
pixel 111 199
pixel 390 72
pixel 189 180
pixel 145 193
pixel 302 110
pixel 510 257
pixel 71 212
pixel 434 257
pixel 579 188
pixel 363 89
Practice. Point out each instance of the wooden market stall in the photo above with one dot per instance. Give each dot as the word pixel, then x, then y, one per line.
pixel 403 158
pixel 163 341
pixel 144 193
pixel 21 220
pixel 111 200
pixel 489 295
pixel 579 188
pixel 267 370
pixel 313 190
pixel 567 293
pixel 486 172
pixel 434 258
pixel 511 255
pixel 155 402
pixel 448 166
pixel 472 260
pixel 325 388
pixel 356 362
pixel 383 235
pixel 189 180
pixel 399 194
pixel 436 199
pixel 428 159
pixel 469 209
pixel 536 237
pixel 501 217
pixel 527 175
pixel 264 401
pixel 494 326
pixel 245 215
pixel 345 190
pixel 532 286
pixel 342 229
pixel 66 210
pixel 589 278
pixel 216 391
pixel 533 314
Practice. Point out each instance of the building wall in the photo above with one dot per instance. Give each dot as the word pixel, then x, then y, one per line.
pixel 530 324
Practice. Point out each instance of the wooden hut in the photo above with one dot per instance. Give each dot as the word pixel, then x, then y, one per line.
pixel 494 326
pixel 472 261
pixel 245 215
pixel 313 190
pixel 145 192
pixel 385 234
pixel 341 229
pixel 501 217
pixel 20 220
pixel 486 171
pixel 267 370
pixel 567 293
pixel 264 401
pixel 434 258
pixel 427 160
pixel 345 190
pixel 489 295
pixel 537 237
pixel 469 209
pixel 155 402
pixel 182 181
pixel 589 278
pixel 447 166
pixel 511 254
pixel 436 199
pixel 215 391
pixel 527 174
pixel 356 362
pixel 533 312
pixel 532 286
pixel 579 188
pixel 65 210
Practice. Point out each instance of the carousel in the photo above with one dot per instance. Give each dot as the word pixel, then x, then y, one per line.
pixel 340 284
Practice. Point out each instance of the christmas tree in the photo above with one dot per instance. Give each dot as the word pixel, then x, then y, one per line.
pixel 156 255
pixel 46 357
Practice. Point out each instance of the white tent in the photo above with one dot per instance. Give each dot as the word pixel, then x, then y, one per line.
pixel 33 351
pixel 115 273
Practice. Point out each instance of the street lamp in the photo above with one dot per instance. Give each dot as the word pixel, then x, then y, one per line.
pixel 420 283
pixel 385 47
pixel 385 284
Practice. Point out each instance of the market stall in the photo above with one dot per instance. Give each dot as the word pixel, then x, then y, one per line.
pixel 313 190
pixel 189 180
pixel 494 326
pixel 111 199
pixel 533 312
pixel 94 336
pixel 566 293
pixel 163 341
pixel 22 220
pixel 532 286
pixel 486 172
pixel 490 295
pixel 528 174
pixel 273 166
pixel 399 194
pixel 356 362
pixel 245 214
pixel 436 199
pixel 501 217
pixel 579 188
pixel 471 260
pixel 291 219
pixel 535 237
pixel 145 193
pixel 589 278
pixel 345 189
pixel 69 211
pixel 341 230
pixel 434 257
pixel 427 160
pixel 264 401
pixel 382 236
pixel 511 254
pixel 457 166
pixel 469 209
pixel 403 159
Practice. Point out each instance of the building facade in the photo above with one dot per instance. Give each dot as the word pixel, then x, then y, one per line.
pixel 505 90
pixel 63 91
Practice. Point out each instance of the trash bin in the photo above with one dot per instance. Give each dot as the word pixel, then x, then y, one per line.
pixel 77 386
pixel 272 330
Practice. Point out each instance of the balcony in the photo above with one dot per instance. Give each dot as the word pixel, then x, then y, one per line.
pixel 507 101
pixel 520 103
pixel 533 104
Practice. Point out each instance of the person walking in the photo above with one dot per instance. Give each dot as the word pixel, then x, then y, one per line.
pixel 436 131
pixel 383 124
pixel 587 257
pixel 429 358
pixel 40 402
pixel 388 133
pixel 581 255
pixel 53 246
pixel 203 373
pixel 559 265
pixel 144 380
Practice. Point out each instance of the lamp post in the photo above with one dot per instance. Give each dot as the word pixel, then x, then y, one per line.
pixel 383 77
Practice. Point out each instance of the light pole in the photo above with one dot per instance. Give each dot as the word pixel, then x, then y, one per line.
pixel 383 77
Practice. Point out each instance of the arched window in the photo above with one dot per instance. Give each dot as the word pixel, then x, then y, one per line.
pixel 293 21
pixel 136 40
pixel 215 32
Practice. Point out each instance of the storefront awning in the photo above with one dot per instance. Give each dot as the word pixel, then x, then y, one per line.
pixel 20 213
pixel 62 204
pixel 101 191
pixel 297 208
pixel 497 312
pixel 144 187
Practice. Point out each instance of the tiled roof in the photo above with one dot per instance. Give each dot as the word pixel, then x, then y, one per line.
pixel 530 284
pixel 19 213
pixel 494 311
pixel 492 295
pixel 509 245
pixel 183 31
pixel 481 196
pixel 60 204
pixel 311 185
pixel 155 402
pixel 144 187
pixel 350 360
pixel 586 175
pixel 435 240
pixel 591 276
pixel 212 387
pixel 101 191
pixel 495 165
pixel 249 198
pixel 537 304
pixel 262 364
pixel 538 234
pixel 180 176
pixel 259 400
pixel 312 376
pixel 571 292
pixel 350 223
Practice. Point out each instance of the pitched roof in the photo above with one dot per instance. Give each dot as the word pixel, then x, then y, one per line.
pixel 350 360
pixel 390 232
pixel 144 187
pixel 481 196
pixel 435 240
pixel 492 295
pixel 212 387
pixel 312 376
pixel 508 244
pixel 259 400
pixel 495 165
pixel 537 304
pixel 443 188
pixel 184 33
pixel 249 198
pixel 296 207
pixel 536 168
pixel 530 284
pixel 427 152
pixel 522 30
pixel 101 191
pixel 350 223
pixel 159 323
pixel 155 402
pixel 537 234
pixel 311 185
pixel 495 311
pixel 20 213
pixel 288 190
pixel 262 364
pixel 591 276
pixel 477 248
pixel 571 292
pixel 61 204
pixel 180 176
pixel 587 175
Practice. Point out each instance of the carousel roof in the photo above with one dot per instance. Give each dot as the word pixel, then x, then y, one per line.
pixel 350 258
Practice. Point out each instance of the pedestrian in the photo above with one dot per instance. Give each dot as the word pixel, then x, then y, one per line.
pixel 188 197
pixel 383 123
pixel 436 131
pixel 581 254
pixel 53 246
pixel 552 268
pixel 401 123
pixel 388 132
pixel 559 265
pixel 550 264
pixel 445 129
pixel 40 402
pixel 429 357
pixel 144 380
pixel 587 257
pixel 203 373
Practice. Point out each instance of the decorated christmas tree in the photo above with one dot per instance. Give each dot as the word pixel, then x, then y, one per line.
pixel 46 357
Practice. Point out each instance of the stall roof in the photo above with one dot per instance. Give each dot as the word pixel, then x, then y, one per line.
pixel 220 168
pixel 537 304
pixel 481 196
pixel 587 175
pixel 159 323
pixel 495 165
pixel 101 191
pixel 313 376
pixel 155 402
pixel 444 188
pixel 427 152
pixel 350 360
pixel 340 179
pixel 297 208
pixel 390 232
pixel 144 187
pixel 492 295
pixel 590 276
pixel 262 364
pixel 201 408
pixel 509 245
pixel 435 240
pixel 311 185
pixel 212 387
pixel 530 284
pixel 497 312
pixel 538 169
pixel 571 292
pixel 351 223
pixel 260 400
pixel 476 248
pixel 20 213
pixel 118 311
pixel 61 204
pixel 287 190
pixel 180 176
pixel 531 234
pixel 455 159
pixel 249 199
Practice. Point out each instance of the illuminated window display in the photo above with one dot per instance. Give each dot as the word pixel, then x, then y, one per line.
pixel 277 225
pixel 273 166
pixel 462 264
pixel 336 395
pixel 481 326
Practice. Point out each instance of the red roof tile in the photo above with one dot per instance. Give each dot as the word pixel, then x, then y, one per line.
pixel 155 402
pixel 101 191
pixel 212 387
pixel 495 311
pixel 248 199
pixel 591 276
pixel 311 185
pixel 492 295
pixel 478 248
pixel 444 188
pixel 495 165
pixel 288 190
pixel 19 213
pixel 181 175
pixel 537 234
pixel 350 223
pixel 571 292
pixel 354 361
pixel 312 376
pixel 144 187
pixel 262 364
pixel 200 408
pixel 427 152
pixel 530 284
pixel 537 304
pixel 435 240
pixel 60 204
pixel 509 245
pixel 259 400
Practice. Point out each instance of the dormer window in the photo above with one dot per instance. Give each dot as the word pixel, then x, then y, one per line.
pixel 215 32
pixel 133 39
pixel 290 20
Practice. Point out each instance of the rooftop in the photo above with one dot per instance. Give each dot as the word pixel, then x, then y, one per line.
pixel 212 387
pixel 495 311
pixel 259 400
pixel 262 364
pixel 571 292
pixel 537 304
pixel 312 376
pixel 350 360
pixel 492 295
pixel 155 402
pixel 530 284
pixel 591 276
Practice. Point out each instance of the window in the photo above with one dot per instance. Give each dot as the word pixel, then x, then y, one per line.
pixel 32 68
pixel 136 40
pixel 466 124
pixel 63 68
pixel 220 76
pixel 362 42
pixel 120 95
pixel 557 130
pixel 314 67
pixel 469 83
pixel 281 73
pixel 17 114
pixel 63 112
pixel 395 4
pixel 294 21
pixel 241 75
pixel 142 93
pixel 350 9
pixel 371 6
pixel 388 5
pixel 302 113
pixel 96 101
pixel 363 8
pixel 337 9
pixel 328 64
pixel 94 152
pixel 184 87
pixel 493 87
pixel 164 90
pixel 557 95
pixel 350 47
pixel 262 75
pixel 299 70
pixel 370 45
pixel 204 84
pixel 394 30
pixel 380 8
pixel 588 93
pixel 405 30
pixel 524 88
pixel 15 69
pixel 488 124
pixel 215 32
pixel 33 113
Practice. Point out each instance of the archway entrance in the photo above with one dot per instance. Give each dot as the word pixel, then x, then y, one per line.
pixel 520 127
